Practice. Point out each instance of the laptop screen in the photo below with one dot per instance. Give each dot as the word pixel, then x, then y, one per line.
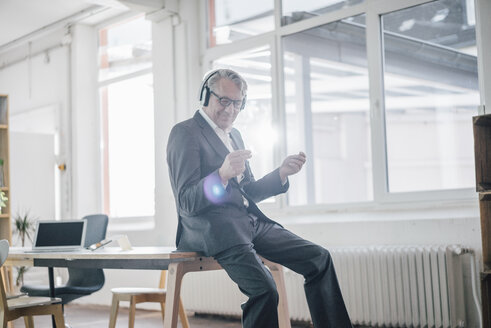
pixel 60 233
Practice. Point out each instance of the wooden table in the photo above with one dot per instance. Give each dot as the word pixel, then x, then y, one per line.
pixel 142 258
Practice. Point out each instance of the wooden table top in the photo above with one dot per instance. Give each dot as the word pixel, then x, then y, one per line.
pixel 106 253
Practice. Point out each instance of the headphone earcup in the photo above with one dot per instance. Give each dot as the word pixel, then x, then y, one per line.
pixel 207 96
pixel 204 87
pixel 243 102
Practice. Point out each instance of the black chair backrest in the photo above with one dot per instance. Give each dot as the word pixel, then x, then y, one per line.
pixel 96 228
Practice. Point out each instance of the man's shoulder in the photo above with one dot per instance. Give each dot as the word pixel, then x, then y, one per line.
pixel 189 124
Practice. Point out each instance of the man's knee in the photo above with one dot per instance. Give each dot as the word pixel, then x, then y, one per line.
pixel 270 292
pixel 268 288
pixel 319 261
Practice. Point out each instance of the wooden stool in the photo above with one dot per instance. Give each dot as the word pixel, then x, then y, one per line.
pixel 141 295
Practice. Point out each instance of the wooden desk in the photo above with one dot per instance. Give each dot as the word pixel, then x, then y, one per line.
pixel 143 258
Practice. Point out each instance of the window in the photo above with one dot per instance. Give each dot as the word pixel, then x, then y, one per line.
pixel 379 94
pixel 431 93
pixel 231 20
pixel 327 112
pixel 125 48
pixel 126 103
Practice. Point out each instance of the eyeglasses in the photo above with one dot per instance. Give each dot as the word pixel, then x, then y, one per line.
pixel 225 102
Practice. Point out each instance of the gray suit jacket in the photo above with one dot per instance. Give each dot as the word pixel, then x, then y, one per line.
pixel 212 219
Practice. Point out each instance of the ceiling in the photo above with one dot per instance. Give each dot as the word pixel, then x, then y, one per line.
pixel 21 17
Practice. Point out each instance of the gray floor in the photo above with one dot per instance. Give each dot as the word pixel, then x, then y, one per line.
pixel 79 316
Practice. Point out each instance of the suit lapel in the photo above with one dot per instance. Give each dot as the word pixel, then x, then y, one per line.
pixel 211 136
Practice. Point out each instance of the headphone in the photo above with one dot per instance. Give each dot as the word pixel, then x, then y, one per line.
pixel 205 88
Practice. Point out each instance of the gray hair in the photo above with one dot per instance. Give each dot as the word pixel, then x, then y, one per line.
pixel 225 73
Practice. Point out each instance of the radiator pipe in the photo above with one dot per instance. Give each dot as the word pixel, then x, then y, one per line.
pixel 471 252
pixel 474 288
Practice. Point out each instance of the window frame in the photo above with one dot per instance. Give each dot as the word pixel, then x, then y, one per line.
pixel 373 9
pixel 146 220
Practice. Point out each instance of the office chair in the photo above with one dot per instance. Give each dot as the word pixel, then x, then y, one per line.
pixel 81 282
pixel 25 306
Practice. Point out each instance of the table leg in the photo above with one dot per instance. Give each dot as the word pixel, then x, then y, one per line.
pixel 279 278
pixel 175 273
pixel 52 291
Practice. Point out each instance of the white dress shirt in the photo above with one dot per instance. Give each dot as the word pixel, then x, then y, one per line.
pixel 223 135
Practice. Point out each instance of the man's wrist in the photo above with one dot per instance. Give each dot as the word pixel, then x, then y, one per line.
pixel 283 177
pixel 220 174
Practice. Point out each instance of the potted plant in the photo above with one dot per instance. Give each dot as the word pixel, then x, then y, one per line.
pixel 23 227
pixel 3 200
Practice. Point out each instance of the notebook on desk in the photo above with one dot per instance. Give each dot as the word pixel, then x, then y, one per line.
pixel 59 236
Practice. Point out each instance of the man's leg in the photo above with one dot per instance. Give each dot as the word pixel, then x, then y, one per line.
pixel 247 270
pixel 314 262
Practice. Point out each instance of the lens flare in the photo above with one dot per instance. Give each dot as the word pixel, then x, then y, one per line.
pixel 214 190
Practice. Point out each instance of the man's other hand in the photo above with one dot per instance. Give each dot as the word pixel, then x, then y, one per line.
pixel 292 165
pixel 233 165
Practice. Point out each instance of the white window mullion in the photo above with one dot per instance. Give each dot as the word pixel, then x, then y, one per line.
pixel 278 103
pixel 278 12
pixel 483 26
pixel 377 113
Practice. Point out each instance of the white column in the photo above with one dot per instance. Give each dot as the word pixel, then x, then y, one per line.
pixel 85 159
pixel 176 80
pixel 165 116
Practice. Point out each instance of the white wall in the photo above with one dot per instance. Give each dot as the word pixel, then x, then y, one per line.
pixel 33 179
pixel 35 87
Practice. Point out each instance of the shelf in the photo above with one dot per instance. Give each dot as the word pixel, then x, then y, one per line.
pixel 4 126
pixel 485 196
pixel 482 120
pixel 4 216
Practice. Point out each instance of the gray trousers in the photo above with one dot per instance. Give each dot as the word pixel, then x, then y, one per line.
pixel 279 245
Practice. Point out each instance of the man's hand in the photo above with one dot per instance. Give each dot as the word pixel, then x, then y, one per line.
pixel 292 165
pixel 233 165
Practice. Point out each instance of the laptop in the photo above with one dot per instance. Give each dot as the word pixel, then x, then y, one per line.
pixel 59 235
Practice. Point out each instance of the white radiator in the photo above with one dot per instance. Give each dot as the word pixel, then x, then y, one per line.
pixel 403 286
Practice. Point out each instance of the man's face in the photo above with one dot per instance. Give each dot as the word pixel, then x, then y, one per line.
pixel 223 116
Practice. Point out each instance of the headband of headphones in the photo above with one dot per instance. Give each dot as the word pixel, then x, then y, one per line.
pixel 205 88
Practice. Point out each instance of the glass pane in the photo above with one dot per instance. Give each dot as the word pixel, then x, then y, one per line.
pixel 255 122
pixel 231 20
pixel 431 93
pixel 130 153
pixel 294 10
pixel 327 112
pixel 125 48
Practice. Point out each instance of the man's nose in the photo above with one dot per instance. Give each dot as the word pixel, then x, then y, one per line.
pixel 230 108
